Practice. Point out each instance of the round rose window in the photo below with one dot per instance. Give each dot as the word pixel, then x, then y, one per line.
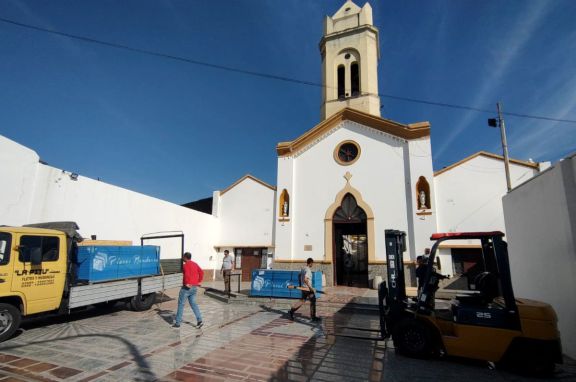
pixel 347 152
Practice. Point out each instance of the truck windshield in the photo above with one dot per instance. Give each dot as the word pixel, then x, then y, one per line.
pixel 4 248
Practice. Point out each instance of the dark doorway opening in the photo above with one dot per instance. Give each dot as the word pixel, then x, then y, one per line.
pixel 350 244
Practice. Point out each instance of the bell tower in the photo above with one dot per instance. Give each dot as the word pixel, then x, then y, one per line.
pixel 350 53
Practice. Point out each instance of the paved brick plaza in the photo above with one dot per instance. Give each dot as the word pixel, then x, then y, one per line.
pixel 249 342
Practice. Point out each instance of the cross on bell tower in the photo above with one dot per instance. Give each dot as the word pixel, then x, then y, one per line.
pixel 350 53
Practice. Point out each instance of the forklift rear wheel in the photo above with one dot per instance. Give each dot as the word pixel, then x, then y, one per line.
pixel 10 318
pixel 413 339
pixel 142 302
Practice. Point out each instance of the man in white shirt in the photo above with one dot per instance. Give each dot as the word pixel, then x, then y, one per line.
pixel 310 294
pixel 227 264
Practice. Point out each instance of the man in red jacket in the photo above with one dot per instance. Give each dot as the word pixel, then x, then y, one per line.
pixel 193 276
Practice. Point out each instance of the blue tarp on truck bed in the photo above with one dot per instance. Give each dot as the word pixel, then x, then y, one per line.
pixel 274 283
pixel 104 263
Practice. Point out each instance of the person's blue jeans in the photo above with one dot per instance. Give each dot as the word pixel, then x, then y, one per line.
pixel 190 295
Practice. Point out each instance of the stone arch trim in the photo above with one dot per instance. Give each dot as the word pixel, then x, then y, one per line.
pixel 329 228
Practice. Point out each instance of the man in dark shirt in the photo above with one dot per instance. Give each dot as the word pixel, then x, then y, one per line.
pixel 421 269
pixel 193 276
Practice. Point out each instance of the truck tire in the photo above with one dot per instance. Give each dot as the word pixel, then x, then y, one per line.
pixel 414 339
pixel 143 302
pixel 10 319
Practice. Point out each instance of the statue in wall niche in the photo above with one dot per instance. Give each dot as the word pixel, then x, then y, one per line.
pixel 285 209
pixel 422 198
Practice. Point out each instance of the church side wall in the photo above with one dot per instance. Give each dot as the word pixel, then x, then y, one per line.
pixel 423 221
pixel 469 196
pixel 283 227
pixel 110 212
pixel 246 215
pixel 18 167
pixel 541 221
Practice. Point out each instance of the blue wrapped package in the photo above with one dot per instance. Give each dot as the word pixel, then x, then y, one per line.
pixel 274 283
pixel 105 263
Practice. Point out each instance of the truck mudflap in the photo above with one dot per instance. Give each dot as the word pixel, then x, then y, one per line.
pixel 84 295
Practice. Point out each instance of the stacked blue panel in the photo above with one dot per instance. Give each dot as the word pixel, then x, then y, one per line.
pixel 259 285
pixel 150 260
pixel 104 263
pixel 280 282
pixel 274 283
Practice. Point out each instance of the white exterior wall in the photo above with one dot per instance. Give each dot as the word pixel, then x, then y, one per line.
pixel 541 221
pixel 469 196
pixel 419 157
pixel 112 213
pixel 246 215
pixel 283 229
pixel 18 167
pixel 378 174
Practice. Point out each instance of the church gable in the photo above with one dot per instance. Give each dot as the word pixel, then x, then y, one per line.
pixel 486 154
pixel 244 181
pixel 407 132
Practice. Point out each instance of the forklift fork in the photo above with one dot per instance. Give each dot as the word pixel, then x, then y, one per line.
pixel 382 294
pixel 391 296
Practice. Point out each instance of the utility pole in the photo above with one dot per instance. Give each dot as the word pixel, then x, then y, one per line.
pixel 493 122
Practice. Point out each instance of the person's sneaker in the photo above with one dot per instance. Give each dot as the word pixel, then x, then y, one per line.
pixel 176 325
pixel 199 324
pixel 291 313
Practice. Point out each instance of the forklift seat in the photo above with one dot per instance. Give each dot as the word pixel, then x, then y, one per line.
pixel 488 288
pixel 487 284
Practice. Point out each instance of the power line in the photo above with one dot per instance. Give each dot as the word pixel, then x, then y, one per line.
pixel 474 108
pixel 264 75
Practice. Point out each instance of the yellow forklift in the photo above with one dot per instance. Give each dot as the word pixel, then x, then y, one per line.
pixel 488 323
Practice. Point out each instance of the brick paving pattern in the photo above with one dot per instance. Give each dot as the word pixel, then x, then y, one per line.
pixel 240 342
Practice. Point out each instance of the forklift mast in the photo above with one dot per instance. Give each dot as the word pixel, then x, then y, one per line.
pixel 395 247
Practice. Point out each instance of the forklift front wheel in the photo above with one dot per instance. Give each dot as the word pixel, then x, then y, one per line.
pixel 10 318
pixel 414 339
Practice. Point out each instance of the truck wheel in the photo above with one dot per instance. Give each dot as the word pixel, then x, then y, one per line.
pixel 413 339
pixel 140 303
pixel 10 319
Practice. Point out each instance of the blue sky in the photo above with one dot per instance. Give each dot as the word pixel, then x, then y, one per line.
pixel 179 131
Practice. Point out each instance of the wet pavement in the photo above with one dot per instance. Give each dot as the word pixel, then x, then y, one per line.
pixel 248 342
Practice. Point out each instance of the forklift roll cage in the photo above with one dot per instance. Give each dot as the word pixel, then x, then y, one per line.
pixel 495 257
pixel 392 301
pixel 486 324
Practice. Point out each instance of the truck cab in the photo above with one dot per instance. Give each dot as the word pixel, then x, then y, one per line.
pixel 33 266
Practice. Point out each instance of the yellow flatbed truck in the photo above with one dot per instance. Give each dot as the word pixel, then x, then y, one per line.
pixel 37 276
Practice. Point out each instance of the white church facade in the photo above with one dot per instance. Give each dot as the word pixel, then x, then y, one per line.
pixel 340 185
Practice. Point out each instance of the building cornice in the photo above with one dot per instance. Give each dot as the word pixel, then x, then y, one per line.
pixel 347 32
pixel 410 131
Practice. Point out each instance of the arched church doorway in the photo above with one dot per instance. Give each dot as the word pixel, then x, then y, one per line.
pixel 350 255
